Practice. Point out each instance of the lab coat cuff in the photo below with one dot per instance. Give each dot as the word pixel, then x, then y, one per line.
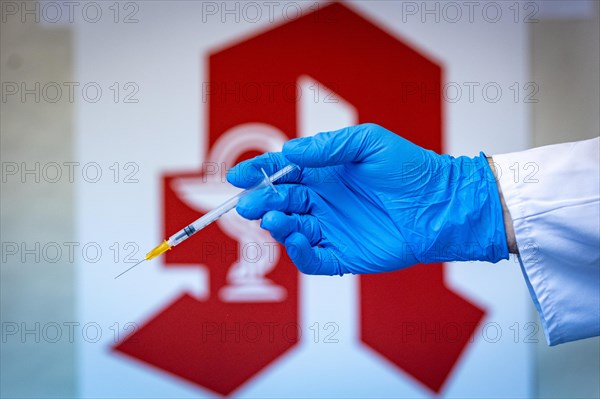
pixel 529 259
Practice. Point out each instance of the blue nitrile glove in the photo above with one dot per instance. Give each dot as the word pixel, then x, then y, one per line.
pixel 367 201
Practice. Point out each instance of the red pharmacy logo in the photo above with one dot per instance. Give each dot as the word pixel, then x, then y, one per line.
pixel 250 317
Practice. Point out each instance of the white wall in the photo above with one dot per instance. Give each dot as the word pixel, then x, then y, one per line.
pixel 564 58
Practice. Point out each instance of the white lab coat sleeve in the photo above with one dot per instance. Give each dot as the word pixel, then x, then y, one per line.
pixel 552 194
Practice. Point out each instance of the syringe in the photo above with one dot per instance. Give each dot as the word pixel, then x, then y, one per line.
pixel 213 215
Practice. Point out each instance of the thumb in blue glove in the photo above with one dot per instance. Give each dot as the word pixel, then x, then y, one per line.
pixel 367 201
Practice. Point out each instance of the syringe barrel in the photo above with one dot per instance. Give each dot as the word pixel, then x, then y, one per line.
pixel 216 213
pixel 180 236
pixel 205 220
pixel 225 207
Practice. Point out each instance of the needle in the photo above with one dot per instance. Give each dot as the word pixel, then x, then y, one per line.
pixel 129 269
pixel 213 215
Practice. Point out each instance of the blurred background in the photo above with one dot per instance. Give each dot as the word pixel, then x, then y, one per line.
pixel 41 293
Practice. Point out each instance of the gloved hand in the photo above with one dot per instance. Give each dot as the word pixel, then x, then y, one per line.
pixel 365 200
